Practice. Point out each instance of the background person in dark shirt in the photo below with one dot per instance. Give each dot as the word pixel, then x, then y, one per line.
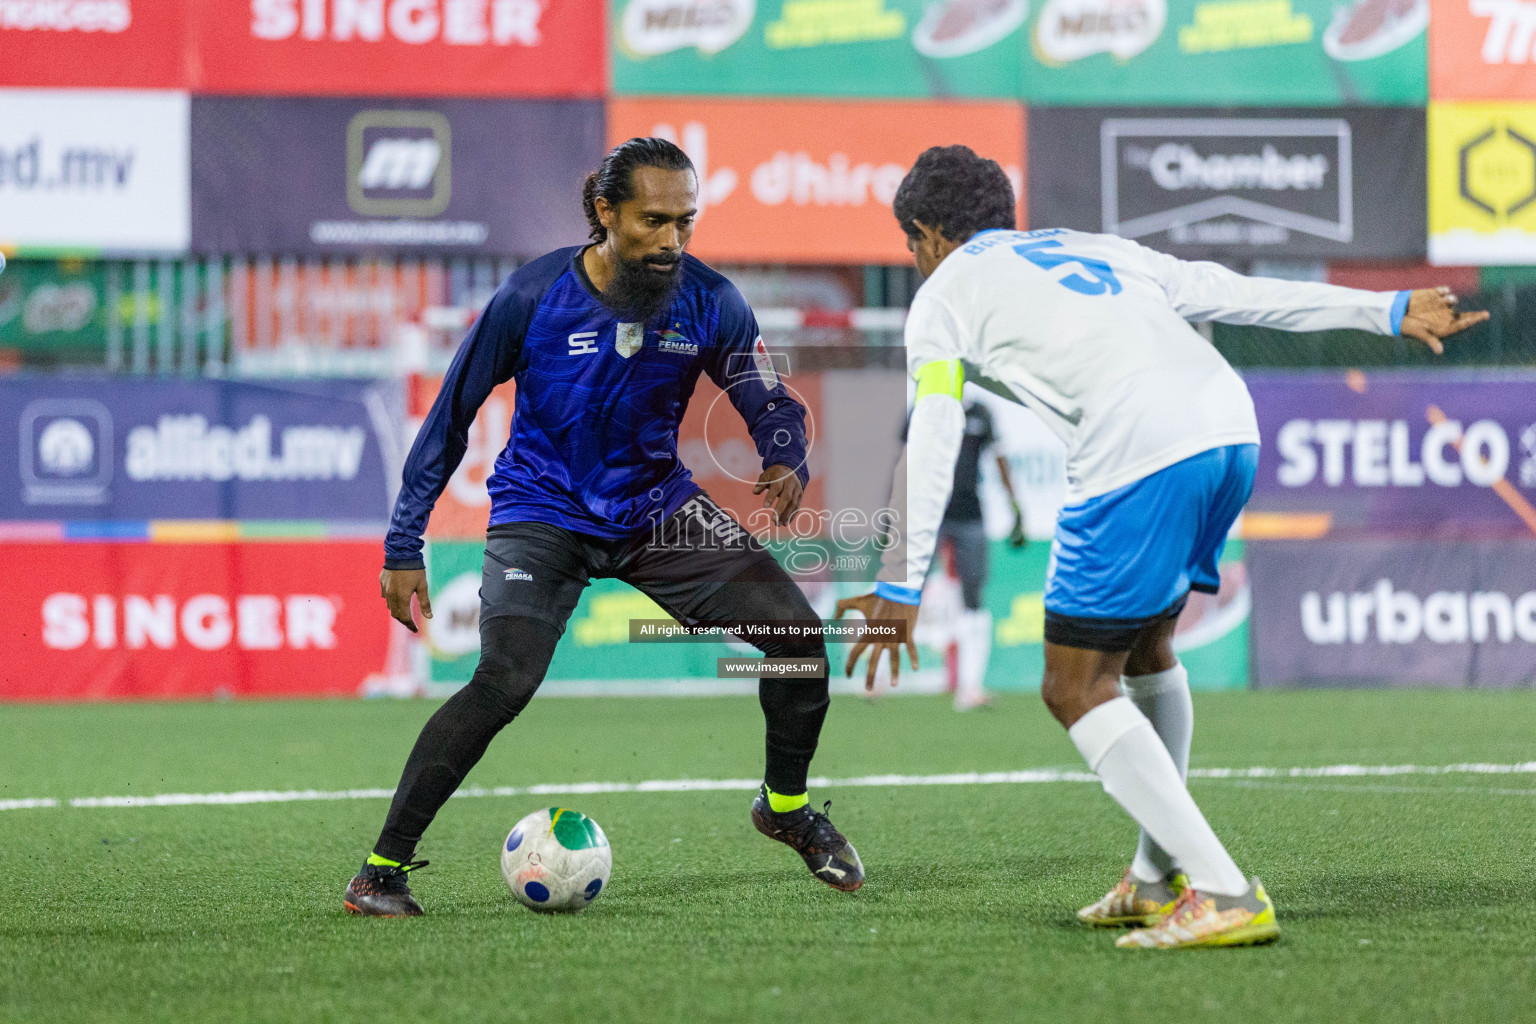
pixel 965 536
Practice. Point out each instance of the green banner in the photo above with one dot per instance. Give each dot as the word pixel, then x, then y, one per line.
pixel 1227 52
pixel 891 48
pixel 1212 639
pixel 48 305
pixel 1122 52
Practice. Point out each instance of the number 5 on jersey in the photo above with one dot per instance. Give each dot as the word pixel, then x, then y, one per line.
pixel 1102 276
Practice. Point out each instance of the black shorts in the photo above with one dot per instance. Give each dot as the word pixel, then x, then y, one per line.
pixel 538 570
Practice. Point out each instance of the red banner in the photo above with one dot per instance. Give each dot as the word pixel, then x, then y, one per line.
pixel 109 621
pixel 401 48
pixel 124 44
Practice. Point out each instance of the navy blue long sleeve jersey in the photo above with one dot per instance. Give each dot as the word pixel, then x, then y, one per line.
pixel 594 428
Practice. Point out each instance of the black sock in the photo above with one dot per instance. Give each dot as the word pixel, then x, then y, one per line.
pixel 514 655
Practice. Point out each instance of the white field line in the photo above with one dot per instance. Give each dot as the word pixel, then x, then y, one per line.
pixel 1039 775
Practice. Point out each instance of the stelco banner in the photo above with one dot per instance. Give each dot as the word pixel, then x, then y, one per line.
pixel 1431 455
pixel 121 449
pixel 818 47
pixel 93 170
pixel 351 176
pixel 1482 183
pixel 812 182
pixel 1267 52
pixel 1336 183
pixel 109 621
pixel 1384 612
pixel 1483 50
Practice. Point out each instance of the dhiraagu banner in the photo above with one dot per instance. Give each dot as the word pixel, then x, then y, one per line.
pixel 1227 52
pixel 891 48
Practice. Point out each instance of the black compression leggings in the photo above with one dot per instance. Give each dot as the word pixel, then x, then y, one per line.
pixel 514 655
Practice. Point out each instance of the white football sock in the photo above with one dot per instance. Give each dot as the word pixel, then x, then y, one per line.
pixel 1164 698
pixel 975 636
pixel 1136 769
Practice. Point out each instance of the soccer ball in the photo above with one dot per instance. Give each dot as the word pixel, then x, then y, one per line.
pixel 556 860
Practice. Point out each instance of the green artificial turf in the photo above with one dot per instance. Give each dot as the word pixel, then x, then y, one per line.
pixel 1403 898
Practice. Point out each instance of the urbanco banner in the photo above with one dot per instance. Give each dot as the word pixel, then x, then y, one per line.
pixel 1394 613
pixel 93 170
pixel 354 176
pixel 813 181
pixel 123 449
pixel 1399 453
pixel 1325 183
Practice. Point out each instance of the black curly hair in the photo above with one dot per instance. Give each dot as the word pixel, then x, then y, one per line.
pixel 614 180
pixel 952 189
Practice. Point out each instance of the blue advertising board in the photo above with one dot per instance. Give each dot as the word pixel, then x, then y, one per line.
pixel 122 450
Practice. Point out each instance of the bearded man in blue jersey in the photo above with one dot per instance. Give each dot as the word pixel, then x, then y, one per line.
pixel 606 342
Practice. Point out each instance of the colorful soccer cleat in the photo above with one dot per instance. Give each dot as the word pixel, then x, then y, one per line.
pixel 829 855
pixel 1205 919
pixel 1134 902
pixel 379 890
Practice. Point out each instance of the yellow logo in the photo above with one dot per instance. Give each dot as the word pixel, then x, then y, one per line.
pixel 1482 182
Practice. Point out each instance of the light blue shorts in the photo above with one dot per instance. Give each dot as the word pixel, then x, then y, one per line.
pixel 1129 558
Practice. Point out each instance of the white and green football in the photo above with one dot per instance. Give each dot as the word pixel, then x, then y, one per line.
pixel 556 860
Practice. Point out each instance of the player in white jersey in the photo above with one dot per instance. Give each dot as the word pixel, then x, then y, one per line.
pixel 1090 331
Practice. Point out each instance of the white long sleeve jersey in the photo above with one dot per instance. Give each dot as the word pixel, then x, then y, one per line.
pixel 1091 332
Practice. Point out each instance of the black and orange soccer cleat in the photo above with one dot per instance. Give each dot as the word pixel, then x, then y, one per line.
pixel 380 890
pixel 829 855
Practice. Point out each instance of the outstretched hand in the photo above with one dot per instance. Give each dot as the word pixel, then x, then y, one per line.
pixel 1432 316
pixel 397 586
pixel 874 607
pixel 784 492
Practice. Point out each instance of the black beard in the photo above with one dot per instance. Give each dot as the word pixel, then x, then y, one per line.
pixel 637 292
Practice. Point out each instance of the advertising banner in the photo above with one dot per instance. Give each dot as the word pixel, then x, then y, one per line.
pixel 120 44
pixel 93 170
pixel 1385 613
pixel 301 176
pixel 1482 183
pixel 110 621
pixel 1338 183
pixel 1403 454
pixel 54 305
pixel 818 47
pixel 812 182
pixel 1482 50
pixel 123 449
pixel 1237 52
pixel 429 47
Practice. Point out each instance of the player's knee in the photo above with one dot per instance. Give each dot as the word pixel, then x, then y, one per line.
pixel 514 654
pixel 1056 690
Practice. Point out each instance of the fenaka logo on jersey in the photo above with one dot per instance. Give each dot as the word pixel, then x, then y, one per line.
pixel 653 27
pixel 1070 30
pixel 673 342
pixel 399 163
pixel 1219 181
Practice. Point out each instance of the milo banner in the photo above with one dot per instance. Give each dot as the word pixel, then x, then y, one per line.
pixel 818 47
pixel 1392 612
pixel 1432 455
pixel 1266 52
pixel 1332 183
